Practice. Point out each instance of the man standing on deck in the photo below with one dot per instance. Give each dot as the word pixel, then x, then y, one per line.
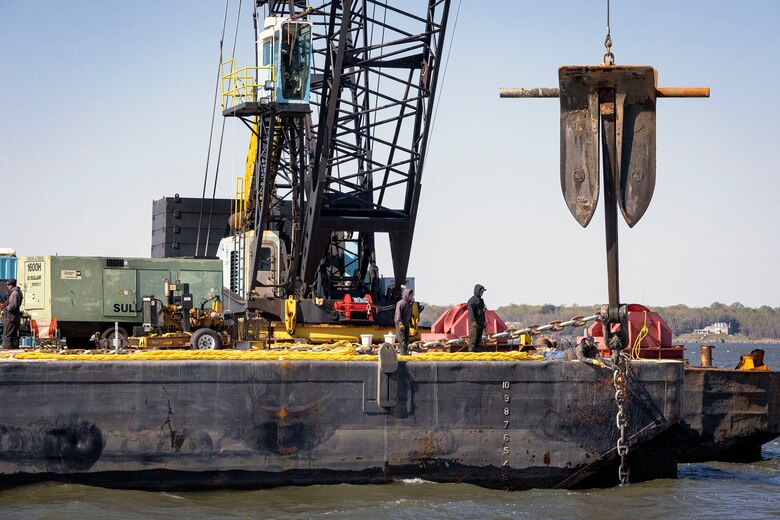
pixel 13 315
pixel 403 320
pixel 476 307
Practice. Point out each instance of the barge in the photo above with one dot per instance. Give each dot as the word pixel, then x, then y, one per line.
pixel 231 419
pixel 261 419
pixel 728 415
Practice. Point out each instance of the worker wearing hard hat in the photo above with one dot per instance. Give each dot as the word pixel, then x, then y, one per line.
pixel 476 306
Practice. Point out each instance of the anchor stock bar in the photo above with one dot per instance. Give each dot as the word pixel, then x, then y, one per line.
pixel 552 92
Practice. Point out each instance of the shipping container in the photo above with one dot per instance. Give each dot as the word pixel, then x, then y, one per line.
pixel 7 267
pixel 78 296
pixel 8 264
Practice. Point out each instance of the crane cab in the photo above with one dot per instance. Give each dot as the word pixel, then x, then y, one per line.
pixel 235 253
pixel 285 55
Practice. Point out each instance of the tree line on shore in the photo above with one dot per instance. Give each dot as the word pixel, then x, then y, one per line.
pixel 761 322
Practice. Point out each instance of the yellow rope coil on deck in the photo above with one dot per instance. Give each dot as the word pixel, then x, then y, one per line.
pixel 339 353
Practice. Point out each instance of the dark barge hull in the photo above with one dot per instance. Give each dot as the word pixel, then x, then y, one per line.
pixel 253 424
pixel 728 414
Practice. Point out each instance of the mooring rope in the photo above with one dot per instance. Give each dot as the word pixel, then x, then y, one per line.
pixel 341 352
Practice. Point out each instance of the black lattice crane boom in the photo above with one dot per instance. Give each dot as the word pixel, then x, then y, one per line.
pixel 333 172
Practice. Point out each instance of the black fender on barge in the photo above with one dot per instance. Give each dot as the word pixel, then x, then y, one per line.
pixel 199 424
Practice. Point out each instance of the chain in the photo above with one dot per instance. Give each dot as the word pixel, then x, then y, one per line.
pixel 608 58
pixel 619 376
pixel 553 326
pixel 533 330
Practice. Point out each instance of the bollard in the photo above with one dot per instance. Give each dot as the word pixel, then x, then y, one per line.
pixel 706 355
pixel 116 335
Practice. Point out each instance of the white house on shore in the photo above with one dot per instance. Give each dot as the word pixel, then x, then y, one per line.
pixel 715 328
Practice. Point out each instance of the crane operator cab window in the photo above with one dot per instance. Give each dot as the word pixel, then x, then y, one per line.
pixel 267 53
pixel 294 63
pixel 264 262
pixel 286 58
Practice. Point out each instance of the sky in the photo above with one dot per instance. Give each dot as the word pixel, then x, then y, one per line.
pixel 106 106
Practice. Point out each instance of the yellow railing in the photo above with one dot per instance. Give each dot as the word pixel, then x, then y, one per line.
pixel 244 85
pixel 239 205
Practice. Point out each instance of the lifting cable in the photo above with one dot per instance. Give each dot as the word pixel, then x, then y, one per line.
pixel 221 140
pixel 608 58
pixel 443 78
pixel 211 130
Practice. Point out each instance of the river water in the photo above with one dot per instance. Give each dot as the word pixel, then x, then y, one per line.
pixel 712 490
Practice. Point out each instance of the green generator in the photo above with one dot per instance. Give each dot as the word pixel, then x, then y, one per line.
pixel 75 296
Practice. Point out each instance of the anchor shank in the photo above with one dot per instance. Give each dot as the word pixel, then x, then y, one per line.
pixel 610 172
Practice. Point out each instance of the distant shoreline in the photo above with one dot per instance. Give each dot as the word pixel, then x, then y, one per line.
pixel 727 339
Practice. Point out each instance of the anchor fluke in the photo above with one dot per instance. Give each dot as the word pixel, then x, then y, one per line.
pixel 633 90
pixel 579 144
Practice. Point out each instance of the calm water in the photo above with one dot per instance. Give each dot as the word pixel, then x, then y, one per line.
pixel 714 490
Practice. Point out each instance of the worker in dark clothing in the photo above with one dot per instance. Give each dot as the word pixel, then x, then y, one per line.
pixel 476 306
pixel 587 352
pixel 13 315
pixel 403 320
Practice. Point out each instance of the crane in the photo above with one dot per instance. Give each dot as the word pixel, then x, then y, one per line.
pixel 340 103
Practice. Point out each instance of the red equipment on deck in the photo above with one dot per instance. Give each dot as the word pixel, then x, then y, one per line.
pixel 654 335
pixel 364 305
pixel 455 324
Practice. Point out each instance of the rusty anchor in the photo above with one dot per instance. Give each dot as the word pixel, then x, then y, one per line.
pixel 622 99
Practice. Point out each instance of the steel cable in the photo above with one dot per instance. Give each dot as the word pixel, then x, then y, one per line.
pixel 221 140
pixel 211 128
pixel 444 77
